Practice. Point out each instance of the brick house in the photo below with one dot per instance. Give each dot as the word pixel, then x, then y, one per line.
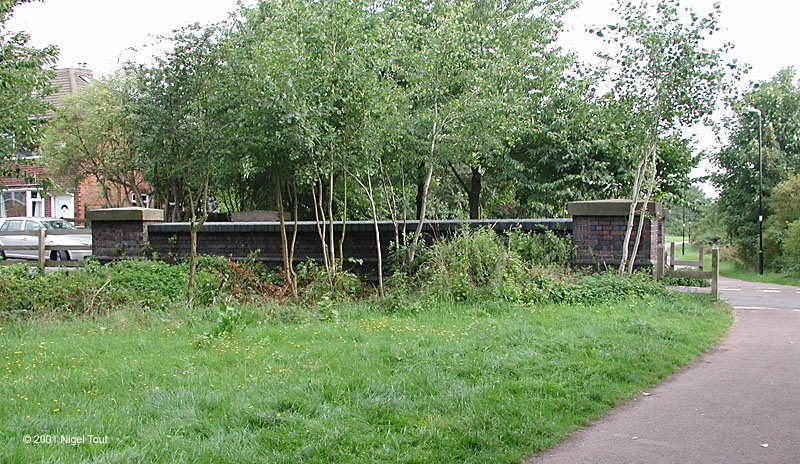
pixel 20 197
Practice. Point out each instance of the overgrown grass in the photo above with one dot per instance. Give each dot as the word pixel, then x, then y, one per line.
pixel 353 383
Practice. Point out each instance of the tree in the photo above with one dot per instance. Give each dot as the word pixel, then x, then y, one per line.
pixel 91 135
pixel 737 178
pixel 664 69
pixel 468 67
pixel 176 112
pixel 25 77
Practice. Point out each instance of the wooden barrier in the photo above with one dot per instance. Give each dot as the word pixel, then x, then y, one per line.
pixel 695 270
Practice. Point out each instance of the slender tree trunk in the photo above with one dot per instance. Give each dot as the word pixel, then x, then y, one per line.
pixel 319 219
pixel 331 247
pixel 426 184
pixel 421 221
pixel 378 252
pixel 287 265
pixel 344 224
pixel 391 202
pixel 294 241
pixel 420 199
pixel 642 215
pixel 475 194
pixel 632 212
pixel 192 254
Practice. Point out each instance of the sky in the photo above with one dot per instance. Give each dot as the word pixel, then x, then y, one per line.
pixel 105 33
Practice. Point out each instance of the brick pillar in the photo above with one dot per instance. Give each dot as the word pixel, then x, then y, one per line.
pixel 598 232
pixel 119 233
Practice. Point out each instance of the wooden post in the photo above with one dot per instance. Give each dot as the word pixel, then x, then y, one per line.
pixel 660 263
pixel 715 272
pixel 672 256
pixel 701 256
pixel 42 253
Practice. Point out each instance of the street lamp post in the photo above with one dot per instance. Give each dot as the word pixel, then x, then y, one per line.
pixel 683 238
pixel 760 189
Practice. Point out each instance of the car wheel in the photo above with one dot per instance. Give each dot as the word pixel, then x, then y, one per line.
pixel 2 255
pixel 59 255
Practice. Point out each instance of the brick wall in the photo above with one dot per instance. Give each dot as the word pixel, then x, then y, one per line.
pixel 262 241
pixel 598 229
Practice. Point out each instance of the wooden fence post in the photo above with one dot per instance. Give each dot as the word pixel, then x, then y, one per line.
pixel 660 263
pixel 42 257
pixel 701 256
pixel 672 256
pixel 715 272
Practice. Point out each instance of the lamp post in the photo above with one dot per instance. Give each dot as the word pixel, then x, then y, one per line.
pixel 683 237
pixel 760 189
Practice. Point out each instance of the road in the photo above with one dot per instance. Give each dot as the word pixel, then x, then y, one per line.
pixel 738 403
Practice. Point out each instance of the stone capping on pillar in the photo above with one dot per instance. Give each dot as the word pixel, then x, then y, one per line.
pixel 126 214
pixel 611 208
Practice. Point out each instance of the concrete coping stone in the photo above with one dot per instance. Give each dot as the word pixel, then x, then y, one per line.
pixel 617 207
pixel 125 214
pixel 564 224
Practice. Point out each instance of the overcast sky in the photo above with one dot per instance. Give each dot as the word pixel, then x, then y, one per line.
pixel 104 33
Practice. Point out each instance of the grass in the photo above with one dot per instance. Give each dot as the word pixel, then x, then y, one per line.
pixel 729 269
pixel 673 238
pixel 444 383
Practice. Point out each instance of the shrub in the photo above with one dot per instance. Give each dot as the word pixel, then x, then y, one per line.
pixel 317 284
pixel 143 284
pixel 473 263
pixel 791 247
pixel 611 286
pixel 547 249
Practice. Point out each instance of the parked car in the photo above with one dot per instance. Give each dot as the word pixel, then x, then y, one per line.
pixel 34 224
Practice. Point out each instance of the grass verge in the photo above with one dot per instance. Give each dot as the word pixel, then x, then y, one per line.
pixel 446 383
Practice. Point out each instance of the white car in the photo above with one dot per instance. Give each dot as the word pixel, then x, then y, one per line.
pixel 34 224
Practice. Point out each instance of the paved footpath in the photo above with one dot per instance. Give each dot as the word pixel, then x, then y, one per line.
pixel 738 403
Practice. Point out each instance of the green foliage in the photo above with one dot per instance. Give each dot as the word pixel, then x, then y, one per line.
pixel 136 284
pixel 472 264
pixel 686 282
pixel 542 249
pixel 228 318
pixel 25 77
pixel 478 264
pixel 738 178
pixel 91 135
pixel 318 285
pixel 791 248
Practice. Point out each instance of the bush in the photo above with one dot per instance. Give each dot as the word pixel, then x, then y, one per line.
pixel 791 248
pixel 611 286
pixel 472 264
pixel 547 249
pixel 143 284
pixel 317 284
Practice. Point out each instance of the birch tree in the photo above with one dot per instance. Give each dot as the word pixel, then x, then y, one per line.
pixel 666 68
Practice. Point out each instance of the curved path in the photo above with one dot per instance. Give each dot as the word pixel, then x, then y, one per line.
pixel 738 403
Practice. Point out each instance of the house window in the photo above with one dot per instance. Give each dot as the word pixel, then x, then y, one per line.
pixel 144 200
pixel 13 204
pixel 35 204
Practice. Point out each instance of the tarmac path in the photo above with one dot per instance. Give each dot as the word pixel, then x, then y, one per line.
pixel 738 403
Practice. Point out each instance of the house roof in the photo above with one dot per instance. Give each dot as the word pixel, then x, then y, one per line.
pixel 67 80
